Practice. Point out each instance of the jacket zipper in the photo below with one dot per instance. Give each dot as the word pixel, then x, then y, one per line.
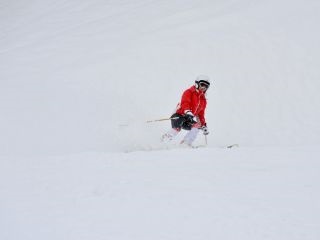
pixel 198 103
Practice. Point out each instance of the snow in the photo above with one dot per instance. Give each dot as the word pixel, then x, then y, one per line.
pixel 79 80
pixel 242 193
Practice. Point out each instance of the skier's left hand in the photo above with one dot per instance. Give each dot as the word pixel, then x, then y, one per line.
pixel 190 117
pixel 205 130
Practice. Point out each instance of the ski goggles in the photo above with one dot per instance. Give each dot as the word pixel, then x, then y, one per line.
pixel 204 85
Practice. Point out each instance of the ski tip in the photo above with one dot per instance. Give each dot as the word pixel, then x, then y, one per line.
pixel 232 146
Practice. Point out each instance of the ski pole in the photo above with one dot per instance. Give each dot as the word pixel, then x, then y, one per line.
pixel 149 121
pixel 161 119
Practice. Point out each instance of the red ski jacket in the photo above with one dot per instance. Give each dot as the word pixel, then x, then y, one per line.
pixel 195 101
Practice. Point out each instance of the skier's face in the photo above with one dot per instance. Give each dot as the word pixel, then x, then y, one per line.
pixel 203 87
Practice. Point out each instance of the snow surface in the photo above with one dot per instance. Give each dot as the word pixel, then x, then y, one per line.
pixel 207 193
pixel 79 80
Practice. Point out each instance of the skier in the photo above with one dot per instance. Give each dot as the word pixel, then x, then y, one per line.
pixel 190 112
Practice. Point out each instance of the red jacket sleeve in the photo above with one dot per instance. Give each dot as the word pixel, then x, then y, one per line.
pixel 185 103
pixel 201 115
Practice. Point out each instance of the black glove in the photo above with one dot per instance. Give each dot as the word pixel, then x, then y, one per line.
pixel 190 117
pixel 205 130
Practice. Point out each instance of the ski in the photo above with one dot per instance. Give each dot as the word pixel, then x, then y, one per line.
pixel 174 146
pixel 227 146
pixel 232 146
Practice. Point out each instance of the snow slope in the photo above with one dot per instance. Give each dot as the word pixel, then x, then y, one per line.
pixel 72 71
pixel 78 80
pixel 243 193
